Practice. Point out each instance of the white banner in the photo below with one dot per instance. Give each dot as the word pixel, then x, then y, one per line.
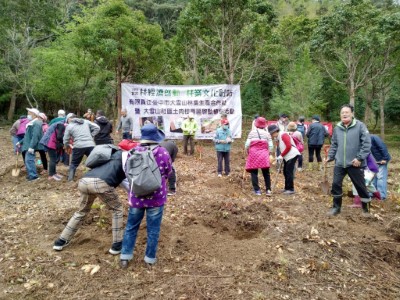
pixel 167 106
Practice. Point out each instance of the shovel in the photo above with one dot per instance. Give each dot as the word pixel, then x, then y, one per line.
pixel 15 171
pixel 324 185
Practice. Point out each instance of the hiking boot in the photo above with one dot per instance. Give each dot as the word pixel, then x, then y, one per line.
pixel 258 193
pixel 60 244
pixel 268 193
pixel 123 263
pixel 115 248
pixel 335 210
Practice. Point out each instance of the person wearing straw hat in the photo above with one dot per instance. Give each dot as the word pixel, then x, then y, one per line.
pixel 152 205
pixel 30 143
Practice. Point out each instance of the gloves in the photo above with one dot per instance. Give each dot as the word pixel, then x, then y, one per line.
pixel 31 150
pixel 228 140
pixel 18 144
pixel 279 159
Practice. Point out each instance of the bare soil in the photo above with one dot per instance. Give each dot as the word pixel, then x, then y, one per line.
pixel 218 240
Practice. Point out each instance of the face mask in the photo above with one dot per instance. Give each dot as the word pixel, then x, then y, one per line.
pixel 29 117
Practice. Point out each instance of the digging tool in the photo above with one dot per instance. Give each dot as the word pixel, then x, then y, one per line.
pixel 324 185
pixel 15 171
pixel 280 163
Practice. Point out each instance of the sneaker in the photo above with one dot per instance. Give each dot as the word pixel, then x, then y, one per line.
pixel 60 244
pixel 33 179
pixel 171 193
pixel 268 193
pixel 115 248
pixel 227 174
pixel 54 177
pixel 258 193
pixel 219 175
pixel 59 176
pixel 288 192
pixel 300 169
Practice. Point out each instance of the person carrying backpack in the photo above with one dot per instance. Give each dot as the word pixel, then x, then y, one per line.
pixel 298 141
pixel 99 182
pixel 151 204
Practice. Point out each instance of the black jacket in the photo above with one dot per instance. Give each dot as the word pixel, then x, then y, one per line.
pixel 171 148
pixel 111 172
pixel 316 134
pixel 103 137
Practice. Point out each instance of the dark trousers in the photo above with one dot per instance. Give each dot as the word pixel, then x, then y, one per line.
pixel 223 156
pixel 126 136
pixel 172 180
pixel 254 179
pixel 43 158
pixel 357 178
pixel 317 150
pixel 288 172
pixel 188 139
pixel 77 155
pixel 300 161
pixel 52 161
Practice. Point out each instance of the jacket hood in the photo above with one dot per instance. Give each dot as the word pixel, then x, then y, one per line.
pixel 102 120
pixel 78 121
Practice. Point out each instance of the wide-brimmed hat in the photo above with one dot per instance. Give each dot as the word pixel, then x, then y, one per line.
pixel 34 111
pixel 151 134
pixel 260 122
pixel 292 126
pixel 272 129
pixel 43 116
pixel 283 115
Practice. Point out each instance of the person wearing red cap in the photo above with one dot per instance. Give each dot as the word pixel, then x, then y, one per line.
pixel 223 140
pixel 259 145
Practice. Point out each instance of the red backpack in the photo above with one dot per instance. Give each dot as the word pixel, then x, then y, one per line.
pixel 298 143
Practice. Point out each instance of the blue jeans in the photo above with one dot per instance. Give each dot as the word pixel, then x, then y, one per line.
pixel 380 180
pixel 30 165
pixel 153 220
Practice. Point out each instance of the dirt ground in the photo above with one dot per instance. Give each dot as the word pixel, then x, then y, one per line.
pixel 218 241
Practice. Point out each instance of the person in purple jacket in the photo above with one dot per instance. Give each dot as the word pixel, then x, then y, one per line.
pixel 152 205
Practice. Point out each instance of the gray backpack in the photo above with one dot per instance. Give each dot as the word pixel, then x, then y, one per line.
pixel 142 172
pixel 100 155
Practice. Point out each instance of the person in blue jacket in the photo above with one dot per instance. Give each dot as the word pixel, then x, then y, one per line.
pixel 223 140
pixel 382 157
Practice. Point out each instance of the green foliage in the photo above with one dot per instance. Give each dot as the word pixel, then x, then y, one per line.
pixel 301 88
pixel 252 100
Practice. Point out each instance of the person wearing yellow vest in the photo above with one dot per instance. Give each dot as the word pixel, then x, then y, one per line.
pixel 189 128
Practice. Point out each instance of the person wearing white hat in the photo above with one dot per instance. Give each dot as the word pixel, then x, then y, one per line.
pixel 60 118
pixel 30 143
pixel 189 127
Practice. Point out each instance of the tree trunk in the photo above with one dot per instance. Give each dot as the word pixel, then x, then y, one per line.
pixel 352 93
pixel 11 110
pixel 382 113
pixel 368 114
pixel 119 81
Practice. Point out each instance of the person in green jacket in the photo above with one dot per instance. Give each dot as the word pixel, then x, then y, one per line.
pixel 189 127
pixel 30 143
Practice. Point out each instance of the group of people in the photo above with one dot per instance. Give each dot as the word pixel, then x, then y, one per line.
pixel 351 147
